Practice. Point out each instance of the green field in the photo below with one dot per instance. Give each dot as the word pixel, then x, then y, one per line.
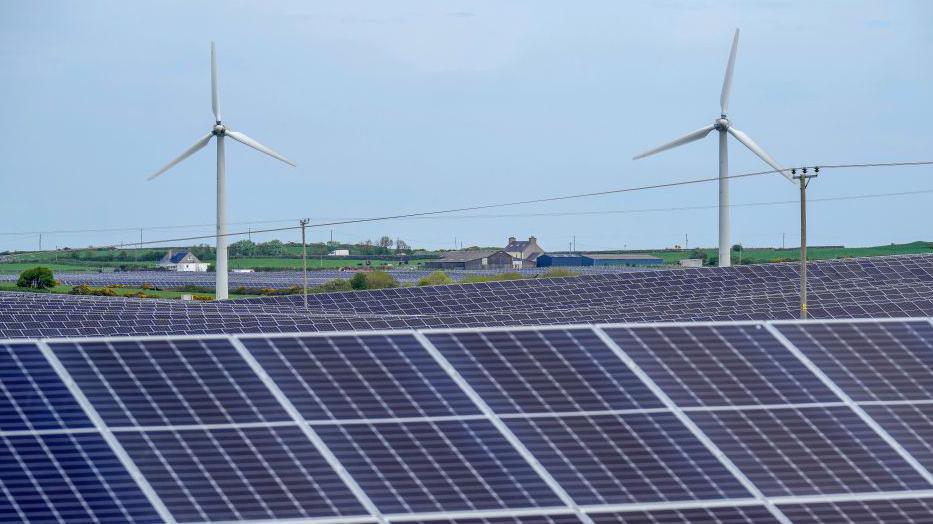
pixel 314 263
pixel 764 255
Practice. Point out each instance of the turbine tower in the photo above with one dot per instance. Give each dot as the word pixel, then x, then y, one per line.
pixel 724 126
pixel 220 131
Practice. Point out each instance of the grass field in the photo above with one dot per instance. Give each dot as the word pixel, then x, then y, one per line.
pixel 763 255
pixel 313 263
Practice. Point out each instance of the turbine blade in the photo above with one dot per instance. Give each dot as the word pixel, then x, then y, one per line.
pixel 755 148
pixel 215 95
pixel 727 81
pixel 243 139
pixel 188 152
pixel 686 139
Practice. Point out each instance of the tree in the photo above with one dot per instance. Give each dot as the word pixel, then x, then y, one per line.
pixel 385 242
pixel 36 278
pixel 242 248
pixel 380 280
pixel 401 245
pixel 737 247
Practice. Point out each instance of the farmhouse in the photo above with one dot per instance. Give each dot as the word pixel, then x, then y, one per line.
pixel 473 259
pixel 524 252
pixel 181 261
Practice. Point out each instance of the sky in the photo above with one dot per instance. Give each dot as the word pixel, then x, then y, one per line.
pixel 409 106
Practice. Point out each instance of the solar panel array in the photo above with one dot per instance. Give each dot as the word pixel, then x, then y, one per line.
pixel 899 286
pixel 724 422
pixel 282 279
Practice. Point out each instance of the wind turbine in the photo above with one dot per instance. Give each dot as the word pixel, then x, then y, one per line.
pixel 220 131
pixel 724 126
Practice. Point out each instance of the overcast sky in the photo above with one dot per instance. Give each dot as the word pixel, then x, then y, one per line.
pixel 403 106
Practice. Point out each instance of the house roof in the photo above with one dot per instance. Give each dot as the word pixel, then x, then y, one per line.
pixel 518 245
pixel 467 255
pixel 175 257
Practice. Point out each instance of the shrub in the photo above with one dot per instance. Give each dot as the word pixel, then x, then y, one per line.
pixel 358 281
pixel 437 278
pixel 698 253
pixel 737 247
pixel 559 272
pixel 37 278
pixel 85 289
pixel 380 280
pixel 202 297
pixel 332 286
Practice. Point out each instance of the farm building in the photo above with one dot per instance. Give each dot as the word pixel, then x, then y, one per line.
pixel 584 259
pixel 472 259
pixel 181 261
pixel 523 252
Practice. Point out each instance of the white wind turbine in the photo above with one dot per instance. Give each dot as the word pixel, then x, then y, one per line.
pixel 724 126
pixel 220 131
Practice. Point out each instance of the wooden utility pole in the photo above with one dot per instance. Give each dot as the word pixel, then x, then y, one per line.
pixel 304 259
pixel 804 179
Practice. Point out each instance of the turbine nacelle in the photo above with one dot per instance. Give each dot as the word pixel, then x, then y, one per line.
pixel 722 123
pixel 219 129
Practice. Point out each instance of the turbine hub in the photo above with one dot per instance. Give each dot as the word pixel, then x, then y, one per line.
pixel 219 129
pixel 722 123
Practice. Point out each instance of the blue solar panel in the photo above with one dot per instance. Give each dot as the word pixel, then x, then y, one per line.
pixel 67 478
pixel 721 365
pixel 357 377
pixel 808 451
pixel 724 515
pixel 911 425
pixel 534 519
pixel 900 511
pixel 439 466
pixel 239 474
pixel 871 361
pixel 629 458
pixel 161 382
pixel 543 371
pixel 32 396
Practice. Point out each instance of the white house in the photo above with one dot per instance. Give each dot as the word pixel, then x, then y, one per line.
pixel 339 253
pixel 181 261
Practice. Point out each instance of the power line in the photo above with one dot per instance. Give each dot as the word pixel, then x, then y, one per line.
pixel 505 204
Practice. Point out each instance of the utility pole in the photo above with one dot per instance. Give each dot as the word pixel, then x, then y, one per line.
pixel 804 179
pixel 140 247
pixel 782 240
pixel 304 259
pixel 686 241
pixel 40 241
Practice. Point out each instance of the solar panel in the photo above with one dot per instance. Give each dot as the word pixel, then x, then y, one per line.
pixel 883 361
pixel 239 474
pixel 437 466
pixel 543 371
pixel 164 383
pixel 68 477
pixel 721 365
pixel 663 423
pixel 616 459
pixel 721 515
pixel 900 511
pixel 31 394
pixel 808 451
pixel 911 425
pixel 360 377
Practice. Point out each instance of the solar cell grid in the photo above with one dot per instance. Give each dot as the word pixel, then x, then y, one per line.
pixel 911 425
pixel 628 458
pixel 543 371
pixel 356 377
pixel 239 474
pixel 723 515
pixel 32 396
pixel 721 365
pixel 67 478
pixel 900 511
pixel 808 451
pixel 535 519
pixel 871 361
pixel 168 382
pixel 437 466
